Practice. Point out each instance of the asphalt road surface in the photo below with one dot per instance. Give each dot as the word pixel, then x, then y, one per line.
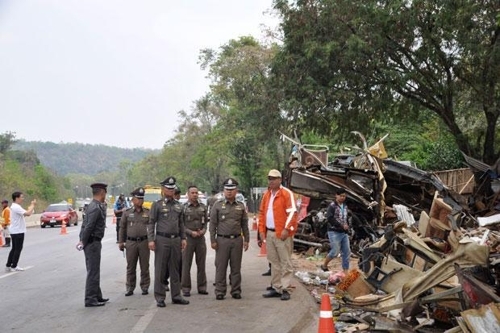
pixel 49 295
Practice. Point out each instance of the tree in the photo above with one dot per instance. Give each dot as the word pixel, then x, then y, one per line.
pixel 345 63
pixel 7 140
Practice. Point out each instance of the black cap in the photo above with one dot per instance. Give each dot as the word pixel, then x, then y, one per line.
pixel 5 201
pixel 138 193
pixel 230 184
pixel 169 183
pixel 177 190
pixel 99 185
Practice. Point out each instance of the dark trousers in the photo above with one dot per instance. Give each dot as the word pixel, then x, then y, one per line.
pixel 229 252
pixel 118 219
pixel 137 251
pixel 167 256
pixel 93 262
pixel 15 252
pixel 195 246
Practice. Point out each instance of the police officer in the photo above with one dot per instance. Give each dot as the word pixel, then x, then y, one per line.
pixel 167 238
pixel 91 233
pixel 134 231
pixel 195 215
pixel 228 221
pixel 119 207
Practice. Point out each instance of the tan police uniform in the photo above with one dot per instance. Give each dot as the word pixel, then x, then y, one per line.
pixel 195 217
pixel 166 229
pixel 134 233
pixel 228 222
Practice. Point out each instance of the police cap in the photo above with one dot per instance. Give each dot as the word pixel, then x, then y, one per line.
pixel 138 193
pixel 230 184
pixel 99 185
pixel 169 183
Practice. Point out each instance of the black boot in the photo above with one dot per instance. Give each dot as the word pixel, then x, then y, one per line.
pixel 7 242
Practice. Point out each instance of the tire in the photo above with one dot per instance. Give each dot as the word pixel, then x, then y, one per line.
pixel 42 226
pixel 52 226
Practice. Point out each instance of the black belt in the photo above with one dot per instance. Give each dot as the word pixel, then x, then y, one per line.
pixel 137 239
pixel 229 236
pixel 274 230
pixel 164 234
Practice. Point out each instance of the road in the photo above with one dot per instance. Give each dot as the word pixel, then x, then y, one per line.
pixel 48 295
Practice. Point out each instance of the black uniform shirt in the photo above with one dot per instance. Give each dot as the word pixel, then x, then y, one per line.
pixel 94 222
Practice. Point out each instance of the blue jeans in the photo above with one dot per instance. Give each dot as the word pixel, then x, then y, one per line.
pixel 339 241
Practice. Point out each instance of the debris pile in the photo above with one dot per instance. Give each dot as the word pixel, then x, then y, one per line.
pixel 429 258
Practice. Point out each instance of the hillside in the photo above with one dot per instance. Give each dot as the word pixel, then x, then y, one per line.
pixel 64 158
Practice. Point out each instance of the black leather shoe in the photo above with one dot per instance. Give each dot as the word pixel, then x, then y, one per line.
pixel 186 294
pixel 180 301
pixel 129 293
pixel 272 293
pixel 285 296
pixel 145 292
pixel 219 297
pixel 167 288
pixel 161 304
pixel 203 292
pixel 268 273
pixel 91 305
pixel 236 296
pixel 103 300
pixel 270 288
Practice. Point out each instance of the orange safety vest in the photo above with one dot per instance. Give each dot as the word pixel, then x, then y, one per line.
pixel 284 212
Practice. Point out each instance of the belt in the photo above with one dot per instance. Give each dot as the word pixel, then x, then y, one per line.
pixel 273 230
pixel 164 234
pixel 137 239
pixel 229 236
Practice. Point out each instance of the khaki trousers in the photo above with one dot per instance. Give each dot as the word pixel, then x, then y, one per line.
pixel 137 251
pixel 229 252
pixel 279 255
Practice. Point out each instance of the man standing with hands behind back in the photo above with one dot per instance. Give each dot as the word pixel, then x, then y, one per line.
pixel 228 221
pixel 17 230
pixel 277 225
pixel 91 233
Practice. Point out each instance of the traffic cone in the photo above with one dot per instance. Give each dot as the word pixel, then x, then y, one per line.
pixel 263 249
pixel 254 224
pixel 63 228
pixel 326 324
pixel 114 219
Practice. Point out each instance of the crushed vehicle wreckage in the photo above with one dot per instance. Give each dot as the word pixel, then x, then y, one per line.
pixel 428 256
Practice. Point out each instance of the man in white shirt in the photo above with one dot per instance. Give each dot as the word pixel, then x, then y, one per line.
pixel 17 230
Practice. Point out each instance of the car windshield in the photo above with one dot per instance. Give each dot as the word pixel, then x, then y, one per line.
pixel 151 197
pixel 57 208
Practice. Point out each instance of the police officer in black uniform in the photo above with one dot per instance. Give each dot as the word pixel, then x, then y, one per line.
pixel 134 239
pixel 91 233
pixel 167 238
pixel 228 221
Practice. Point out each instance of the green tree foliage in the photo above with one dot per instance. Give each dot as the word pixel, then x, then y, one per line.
pixel 346 63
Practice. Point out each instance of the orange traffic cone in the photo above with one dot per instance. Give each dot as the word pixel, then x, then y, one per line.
pixel 114 219
pixel 263 250
pixel 254 224
pixel 326 324
pixel 63 228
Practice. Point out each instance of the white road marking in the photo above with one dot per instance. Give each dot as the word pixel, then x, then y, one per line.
pixel 145 320
pixel 14 272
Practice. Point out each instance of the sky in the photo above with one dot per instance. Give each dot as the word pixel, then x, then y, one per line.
pixel 112 72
